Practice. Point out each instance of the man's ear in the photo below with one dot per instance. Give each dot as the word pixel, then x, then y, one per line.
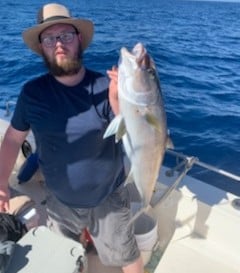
pixel 40 47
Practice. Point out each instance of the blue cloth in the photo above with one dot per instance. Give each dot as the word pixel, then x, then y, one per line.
pixel 80 167
pixel 28 169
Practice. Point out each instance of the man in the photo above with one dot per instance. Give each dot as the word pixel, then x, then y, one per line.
pixel 68 110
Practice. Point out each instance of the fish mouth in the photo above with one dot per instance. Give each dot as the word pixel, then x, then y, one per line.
pixel 137 52
pixel 137 57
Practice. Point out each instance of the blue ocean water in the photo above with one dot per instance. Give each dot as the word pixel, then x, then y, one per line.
pixel 195 45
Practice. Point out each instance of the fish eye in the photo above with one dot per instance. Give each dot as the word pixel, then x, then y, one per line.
pixel 152 72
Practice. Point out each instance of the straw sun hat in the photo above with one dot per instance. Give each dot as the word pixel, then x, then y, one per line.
pixel 52 14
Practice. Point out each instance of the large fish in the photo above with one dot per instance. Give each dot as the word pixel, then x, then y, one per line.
pixel 142 119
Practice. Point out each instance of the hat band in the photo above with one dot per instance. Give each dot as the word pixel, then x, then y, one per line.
pixel 53 19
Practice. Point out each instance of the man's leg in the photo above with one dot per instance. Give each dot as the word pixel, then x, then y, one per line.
pixel 135 267
pixel 64 220
pixel 113 237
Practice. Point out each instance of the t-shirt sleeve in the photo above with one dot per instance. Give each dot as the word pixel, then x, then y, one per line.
pixel 18 120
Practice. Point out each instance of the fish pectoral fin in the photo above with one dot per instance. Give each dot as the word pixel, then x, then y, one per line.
pixel 121 130
pixel 153 121
pixel 116 127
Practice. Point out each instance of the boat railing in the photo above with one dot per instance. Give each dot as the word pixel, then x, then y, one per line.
pixel 194 160
pixel 184 165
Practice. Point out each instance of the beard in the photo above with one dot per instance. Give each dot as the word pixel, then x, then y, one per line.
pixel 68 67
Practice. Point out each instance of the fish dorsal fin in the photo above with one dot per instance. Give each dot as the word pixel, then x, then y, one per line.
pixel 169 144
pixel 116 127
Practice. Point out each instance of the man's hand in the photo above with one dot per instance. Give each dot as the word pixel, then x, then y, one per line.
pixel 113 89
pixel 4 199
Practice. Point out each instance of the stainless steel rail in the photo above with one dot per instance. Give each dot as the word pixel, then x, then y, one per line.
pixel 204 165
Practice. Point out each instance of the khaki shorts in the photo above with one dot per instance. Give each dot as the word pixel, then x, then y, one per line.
pixel 108 225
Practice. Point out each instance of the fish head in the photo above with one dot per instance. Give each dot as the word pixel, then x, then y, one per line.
pixel 137 77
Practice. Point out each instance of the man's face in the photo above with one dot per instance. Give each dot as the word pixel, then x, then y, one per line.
pixel 61 48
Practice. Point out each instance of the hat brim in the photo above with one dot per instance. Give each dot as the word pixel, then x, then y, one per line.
pixel 85 27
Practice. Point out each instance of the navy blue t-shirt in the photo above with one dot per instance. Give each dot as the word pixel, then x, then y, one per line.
pixel 80 167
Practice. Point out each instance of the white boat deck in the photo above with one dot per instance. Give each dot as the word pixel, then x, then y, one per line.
pixel 196 255
pixel 206 237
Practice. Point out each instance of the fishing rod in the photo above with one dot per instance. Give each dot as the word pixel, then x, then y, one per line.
pixel 204 165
